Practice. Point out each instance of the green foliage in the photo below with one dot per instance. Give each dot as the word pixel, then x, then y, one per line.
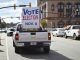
pixel 2 25
pixel 43 23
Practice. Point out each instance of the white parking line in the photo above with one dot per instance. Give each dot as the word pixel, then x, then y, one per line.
pixel 7 50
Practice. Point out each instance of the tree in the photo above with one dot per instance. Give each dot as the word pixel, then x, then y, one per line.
pixel 43 23
pixel 2 25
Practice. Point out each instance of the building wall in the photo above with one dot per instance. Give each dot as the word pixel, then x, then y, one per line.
pixel 53 16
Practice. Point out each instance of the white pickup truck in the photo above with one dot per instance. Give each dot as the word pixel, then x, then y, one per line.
pixel 29 38
pixel 73 31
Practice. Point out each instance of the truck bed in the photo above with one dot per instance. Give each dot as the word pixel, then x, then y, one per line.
pixel 33 36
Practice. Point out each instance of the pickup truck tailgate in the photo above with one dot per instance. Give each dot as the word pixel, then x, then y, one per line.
pixel 33 36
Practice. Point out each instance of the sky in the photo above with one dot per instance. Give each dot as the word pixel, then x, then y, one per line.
pixel 8 12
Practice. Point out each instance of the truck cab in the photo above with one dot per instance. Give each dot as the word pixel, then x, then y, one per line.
pixel 36 38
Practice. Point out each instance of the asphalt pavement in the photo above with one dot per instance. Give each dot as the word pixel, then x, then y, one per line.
pixel 3 55
pixel 61 49
pixel 67 47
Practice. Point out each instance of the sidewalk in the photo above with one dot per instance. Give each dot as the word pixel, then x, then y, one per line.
pixel 3 46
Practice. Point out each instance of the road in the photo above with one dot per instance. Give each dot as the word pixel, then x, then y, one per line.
pixel 61 49
pixel 3 46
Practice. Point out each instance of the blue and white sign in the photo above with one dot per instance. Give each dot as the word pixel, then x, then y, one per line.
pixel 30 17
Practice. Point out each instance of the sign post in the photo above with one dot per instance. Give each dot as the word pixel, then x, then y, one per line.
pixel 30 17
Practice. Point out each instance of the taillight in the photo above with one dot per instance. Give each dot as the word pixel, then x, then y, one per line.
pixel 16 36
pixel 49 36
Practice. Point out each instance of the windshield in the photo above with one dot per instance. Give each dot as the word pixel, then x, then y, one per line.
pixel 76 27
pixel 11 29
pixel 61 29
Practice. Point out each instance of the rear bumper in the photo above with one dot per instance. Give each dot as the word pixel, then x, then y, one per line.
pixel 32 44
pixel 60 34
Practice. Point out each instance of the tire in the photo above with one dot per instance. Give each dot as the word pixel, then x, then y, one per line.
pixel 46 49
pixel 7 34
pixel 13 44
pixel 17 50
pixel 11 34
pixel 65 35
pixel 74 37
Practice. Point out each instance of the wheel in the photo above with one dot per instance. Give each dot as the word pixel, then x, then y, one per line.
pixel 46 49
pixel 11 34
pixel 13 44
pixel 74 37
pixel 7 34
pixel 65 35
pixel 17 50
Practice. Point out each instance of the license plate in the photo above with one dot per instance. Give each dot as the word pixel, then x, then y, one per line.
pixel 33 36
pixel 33 43
pixel 21 44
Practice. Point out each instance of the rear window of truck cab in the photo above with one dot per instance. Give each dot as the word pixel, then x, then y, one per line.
pixel 21 29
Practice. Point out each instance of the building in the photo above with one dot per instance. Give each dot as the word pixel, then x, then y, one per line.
pixel 60 13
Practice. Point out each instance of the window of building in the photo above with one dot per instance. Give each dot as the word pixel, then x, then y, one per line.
pixel 68 9
pixel 77 10
pixel 52 7
pixel 44 11
pixel 61 9
pixel 69 6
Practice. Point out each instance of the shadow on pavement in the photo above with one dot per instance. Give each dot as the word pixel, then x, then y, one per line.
pixel 78 39
pixel 1 45
pixel 42 56
pixel 1 51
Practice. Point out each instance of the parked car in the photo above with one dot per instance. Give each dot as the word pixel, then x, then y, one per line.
pixel 73 31
pixel 10 31
pixel 58 32
pixel 2 30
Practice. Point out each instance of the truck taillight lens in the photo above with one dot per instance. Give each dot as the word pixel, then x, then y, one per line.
pixel 49 36
pixel 16 36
